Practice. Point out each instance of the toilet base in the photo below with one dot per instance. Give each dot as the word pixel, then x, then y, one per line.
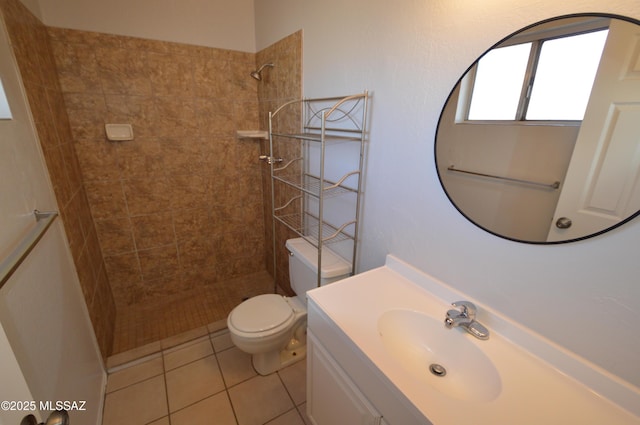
pixel 267 363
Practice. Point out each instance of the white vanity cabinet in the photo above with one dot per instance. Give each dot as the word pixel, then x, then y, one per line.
pixel 332 397
pixel 343 386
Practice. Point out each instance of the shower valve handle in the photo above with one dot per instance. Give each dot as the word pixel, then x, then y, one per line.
pixel 270 159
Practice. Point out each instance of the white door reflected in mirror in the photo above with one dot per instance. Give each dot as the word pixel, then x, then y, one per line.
pixel 601 186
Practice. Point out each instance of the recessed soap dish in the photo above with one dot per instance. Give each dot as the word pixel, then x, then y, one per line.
pixel 119 132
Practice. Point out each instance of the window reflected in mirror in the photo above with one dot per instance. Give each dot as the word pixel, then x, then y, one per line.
pixel 498 81
pixel 544 77
pixel 564 76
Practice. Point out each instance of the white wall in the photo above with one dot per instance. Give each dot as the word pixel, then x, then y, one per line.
pixel 409 53
pixel 14 387
pixel 49 339
pixel 214 23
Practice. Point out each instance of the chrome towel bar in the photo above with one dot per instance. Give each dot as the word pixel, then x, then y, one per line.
pixel 554 185
pixel 17 256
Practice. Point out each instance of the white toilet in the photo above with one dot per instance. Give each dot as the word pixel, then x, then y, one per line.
pixel 273 328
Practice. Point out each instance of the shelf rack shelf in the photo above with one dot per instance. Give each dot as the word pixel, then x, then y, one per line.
pixel 315 137
pixel 307 226
pixel 305 178
pixel 312 185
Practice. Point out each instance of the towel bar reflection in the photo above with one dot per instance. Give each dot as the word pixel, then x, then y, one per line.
pixel 9 265
pixel 554 185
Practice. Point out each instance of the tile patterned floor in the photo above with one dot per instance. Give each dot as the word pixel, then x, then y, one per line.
pixel 203 381
pixel 139 325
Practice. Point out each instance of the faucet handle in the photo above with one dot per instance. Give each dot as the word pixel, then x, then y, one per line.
pixel 466 308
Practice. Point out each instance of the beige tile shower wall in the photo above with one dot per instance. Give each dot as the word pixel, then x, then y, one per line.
pixel 33 52
pixel 180 206
pixel 280 84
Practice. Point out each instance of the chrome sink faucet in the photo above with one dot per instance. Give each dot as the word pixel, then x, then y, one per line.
pixel 464 316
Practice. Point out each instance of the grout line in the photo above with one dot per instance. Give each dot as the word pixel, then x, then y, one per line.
pixel 204 397
pixel 186 344
pixel 286 388
pixel 198 401
pixel 284 413
pixel 224 381
pixel 134 383
pixel 134 362
pixel 166 387
pixel 197 360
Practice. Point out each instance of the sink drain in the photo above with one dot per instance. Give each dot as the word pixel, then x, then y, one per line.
pixel 437 370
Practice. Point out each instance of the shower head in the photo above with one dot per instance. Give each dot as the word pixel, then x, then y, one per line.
pixel 257 74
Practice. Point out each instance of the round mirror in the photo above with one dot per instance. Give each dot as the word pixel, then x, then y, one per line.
pixel 539 141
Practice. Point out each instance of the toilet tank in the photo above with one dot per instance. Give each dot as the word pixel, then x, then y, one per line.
pixel 303 266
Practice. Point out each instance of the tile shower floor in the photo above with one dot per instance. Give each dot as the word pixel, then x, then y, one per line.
pixel 203 381
pixel 139 325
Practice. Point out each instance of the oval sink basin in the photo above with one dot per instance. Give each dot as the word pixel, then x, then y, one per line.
pixel 446 359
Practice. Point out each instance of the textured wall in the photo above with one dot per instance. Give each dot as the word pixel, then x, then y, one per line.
pixel 280 84
pixel 179 206
pixel 37 67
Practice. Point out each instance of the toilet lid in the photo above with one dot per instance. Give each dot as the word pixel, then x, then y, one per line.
pixel 261 313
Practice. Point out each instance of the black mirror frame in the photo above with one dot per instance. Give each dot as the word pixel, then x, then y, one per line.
pixel 575 15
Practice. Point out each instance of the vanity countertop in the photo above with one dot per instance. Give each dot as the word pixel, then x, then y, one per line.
pixel 530 390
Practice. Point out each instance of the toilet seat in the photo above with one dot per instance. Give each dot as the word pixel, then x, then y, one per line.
pixel 262 315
